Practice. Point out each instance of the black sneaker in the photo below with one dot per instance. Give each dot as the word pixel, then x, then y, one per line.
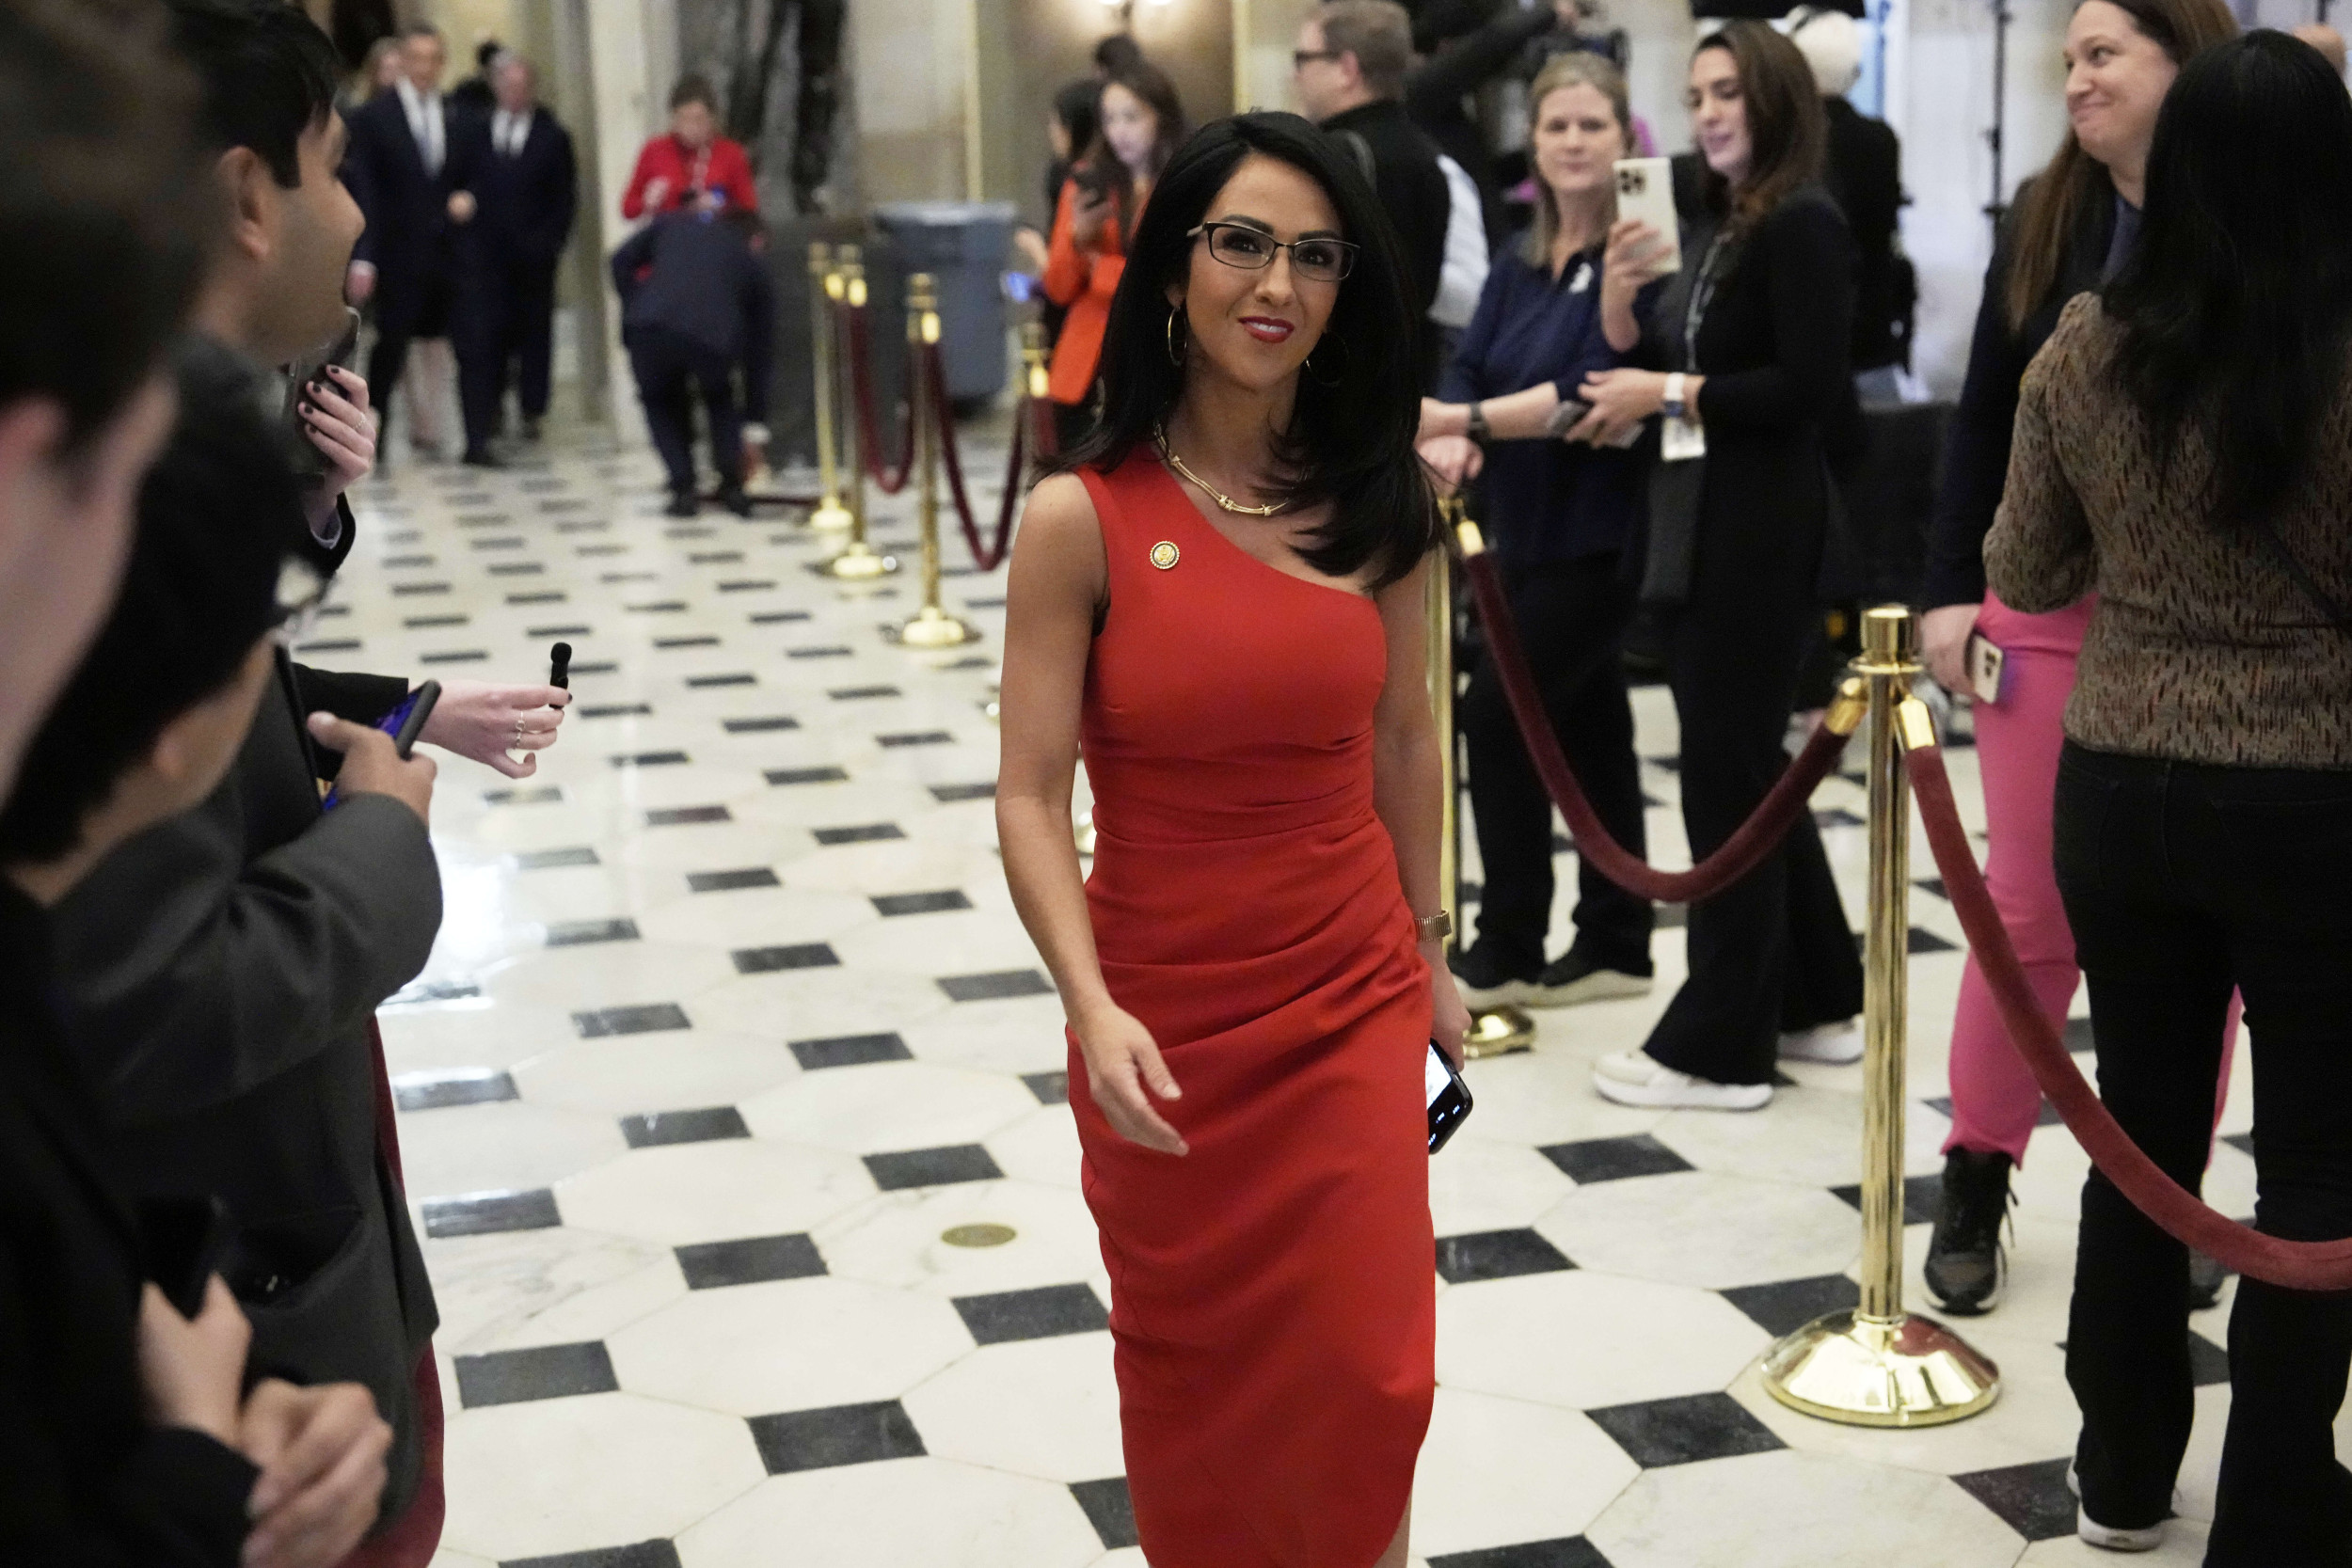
pixel 683 503
pixel 734 501
pixel 1575 976
pixel 482 457
pixel 1487 982
pixel 1966 1266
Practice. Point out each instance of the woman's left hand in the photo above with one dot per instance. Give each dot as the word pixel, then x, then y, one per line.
pixel 334 411
pixel 1450 1017
pixel 477 720
pixel 1620 400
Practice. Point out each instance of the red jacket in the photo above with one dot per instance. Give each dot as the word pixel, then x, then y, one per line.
pixel 1083 282
pixel 720 166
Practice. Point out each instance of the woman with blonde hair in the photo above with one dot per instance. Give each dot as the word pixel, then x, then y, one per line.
pixel 1572 298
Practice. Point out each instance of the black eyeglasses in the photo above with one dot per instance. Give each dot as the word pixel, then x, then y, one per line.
pixel 1300 57
pixel 1237 244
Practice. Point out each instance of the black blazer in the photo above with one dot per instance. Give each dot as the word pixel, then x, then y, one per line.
pixel 1976 446
pixel 221 974
pixel 85 1480
pixel 408 235
pixel 526 203
pixel 1413 192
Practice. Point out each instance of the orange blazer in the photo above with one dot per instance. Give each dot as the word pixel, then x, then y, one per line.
pixel 1082 282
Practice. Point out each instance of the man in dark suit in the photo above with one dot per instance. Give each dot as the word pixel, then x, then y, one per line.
pixel 515 189
pixel 398 166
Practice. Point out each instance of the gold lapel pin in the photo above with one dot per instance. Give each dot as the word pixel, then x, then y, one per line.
pixel 1165 554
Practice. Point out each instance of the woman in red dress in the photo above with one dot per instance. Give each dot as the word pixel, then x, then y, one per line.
pixel 1224 603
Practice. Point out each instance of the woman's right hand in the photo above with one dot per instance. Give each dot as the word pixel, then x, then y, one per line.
pixel 1944 645
pixel 1124 1073
pixel 1636 257
pixel 1455 459
pixel 193 1373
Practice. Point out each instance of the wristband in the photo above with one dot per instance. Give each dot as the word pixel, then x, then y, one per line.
pixel 1475 426
pixel 1675 407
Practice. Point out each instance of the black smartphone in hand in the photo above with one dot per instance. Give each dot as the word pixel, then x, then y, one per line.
pixel 1449 1096
pixel 300 377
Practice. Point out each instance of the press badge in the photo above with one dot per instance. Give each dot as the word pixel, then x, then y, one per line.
pixel 1679 440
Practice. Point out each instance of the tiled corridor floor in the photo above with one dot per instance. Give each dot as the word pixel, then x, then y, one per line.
pixel 733 1108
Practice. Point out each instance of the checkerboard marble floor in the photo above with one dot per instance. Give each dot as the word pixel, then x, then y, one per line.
pixel 735 1115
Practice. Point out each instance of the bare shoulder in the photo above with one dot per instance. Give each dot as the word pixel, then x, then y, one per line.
pixel 1059 544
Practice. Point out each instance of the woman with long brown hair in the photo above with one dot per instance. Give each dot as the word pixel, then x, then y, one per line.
pixel 1139 123
pixel 1755 331
pixel 2072 226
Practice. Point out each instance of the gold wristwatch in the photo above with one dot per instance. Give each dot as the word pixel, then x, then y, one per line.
pixel 1435 927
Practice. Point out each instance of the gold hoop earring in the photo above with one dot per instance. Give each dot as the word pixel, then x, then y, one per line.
pixel 1175 354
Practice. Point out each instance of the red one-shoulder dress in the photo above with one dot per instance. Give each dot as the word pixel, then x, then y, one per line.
pixel 1272 1292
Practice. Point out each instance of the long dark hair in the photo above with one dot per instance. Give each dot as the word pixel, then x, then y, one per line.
pixel 2236 304
pixel 1350 440
pixel 1787 129
pixel 1150 83
pixel 2053 206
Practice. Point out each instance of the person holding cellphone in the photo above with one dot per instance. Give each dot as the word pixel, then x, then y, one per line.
pixel 1757 329
pixel 2072 226
pixel 1225 599
pixel 1570 298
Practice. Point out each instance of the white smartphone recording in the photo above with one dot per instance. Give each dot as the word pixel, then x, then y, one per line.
pixel 1646 190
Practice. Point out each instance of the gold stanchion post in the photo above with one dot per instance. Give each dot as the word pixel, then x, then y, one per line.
pixel 1493 1031
pixel 1877 1365
pixel 930 626
pixel 857 561
pixel 824 287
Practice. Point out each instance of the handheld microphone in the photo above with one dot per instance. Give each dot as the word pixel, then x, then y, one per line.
pixel 559 666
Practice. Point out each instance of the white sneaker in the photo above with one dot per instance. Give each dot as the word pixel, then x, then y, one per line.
pixel 1635 1078
pixel 1830 1044
pixel 2107 1537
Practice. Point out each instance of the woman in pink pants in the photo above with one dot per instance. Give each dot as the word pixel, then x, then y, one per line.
pixel 2070 230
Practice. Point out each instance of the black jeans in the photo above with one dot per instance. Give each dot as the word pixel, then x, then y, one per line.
pixel 2182 881
pixel 1773 951
pixel 669 369
pixel 1570 614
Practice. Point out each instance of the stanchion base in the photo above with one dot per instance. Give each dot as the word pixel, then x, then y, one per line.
pixel 1498 1032
pixel 1907 1371
pixel 1083 830
pixel 831 518
pixel 932 627
pixel 857 564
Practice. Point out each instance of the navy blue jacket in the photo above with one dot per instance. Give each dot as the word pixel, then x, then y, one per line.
pixel 1547 500
pixel 408 235
pixel 701 282
pixel 524 204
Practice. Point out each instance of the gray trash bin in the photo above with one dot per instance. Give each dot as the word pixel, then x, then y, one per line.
pixel 963 245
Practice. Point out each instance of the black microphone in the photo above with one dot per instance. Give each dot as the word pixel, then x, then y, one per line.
pixel 559 666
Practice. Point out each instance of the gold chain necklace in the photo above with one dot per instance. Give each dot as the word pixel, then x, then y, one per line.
pixel 1160 436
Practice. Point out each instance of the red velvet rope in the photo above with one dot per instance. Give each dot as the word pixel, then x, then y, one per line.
pixel 889 479
pixel 1740 854
pixel 2296 1265
pixel 989 559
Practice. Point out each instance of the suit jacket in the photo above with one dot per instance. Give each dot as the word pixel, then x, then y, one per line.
pixel 221 973
pixel 1414 194
pixel 1863 173
pixel 525 204
pixel 407 234
pixel 697 279
pixel 85 1480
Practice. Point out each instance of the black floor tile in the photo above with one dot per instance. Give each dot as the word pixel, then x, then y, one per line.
pixel 775 617
pixel 600 667
pixel 1672 917
pixel 921 903
pixel 1920 1194
pixel 831 650
pixel 1933 884
pixel 1572 1551
pixel 2031 1499
pixel 1787 1304
pixel 644 1553
pixel 728 881
pixel 913 737
pixel 535 795
pixel 579 933
pixel 516 569
pixel 421 623
pixel 558 631
pixel 1497 1255
pixel 845 1434
pixel 658 607
pixel 849 1050
pixel 685 641
pixel 500 542
pixel 2208 1363
pixel 1615 1159
pixel 1920 940
pixel 949 794
pixel 1051 1089
pixel 330 645
pixel 1109 1509
pixel 1682 1430
pixel 990 988
pixel 549 859
pixel 1837 816
pixel 931 1167
pixel 538 598
pixel 676 817
pixel 853 693
pixel 743 678
pixel 541 1372
pixel 643 1020
pixel 412 589
pixel 434 1091
pixel 651 759
pixel 746 585
pixel 867 832
pixel 759 726
pixel 766 961
pixel 2078 1036
pixel 459 655
pixel 684 1126
pixel 805 775
pixel 716 558
pixel 489 1214
pixel 2047 1116
pixel 1045 1313
pixel 431 991
pixel 2242 1142
pixel 712 1266
pixel 614 710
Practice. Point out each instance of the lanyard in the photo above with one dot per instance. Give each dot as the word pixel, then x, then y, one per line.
pixel 1703 294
